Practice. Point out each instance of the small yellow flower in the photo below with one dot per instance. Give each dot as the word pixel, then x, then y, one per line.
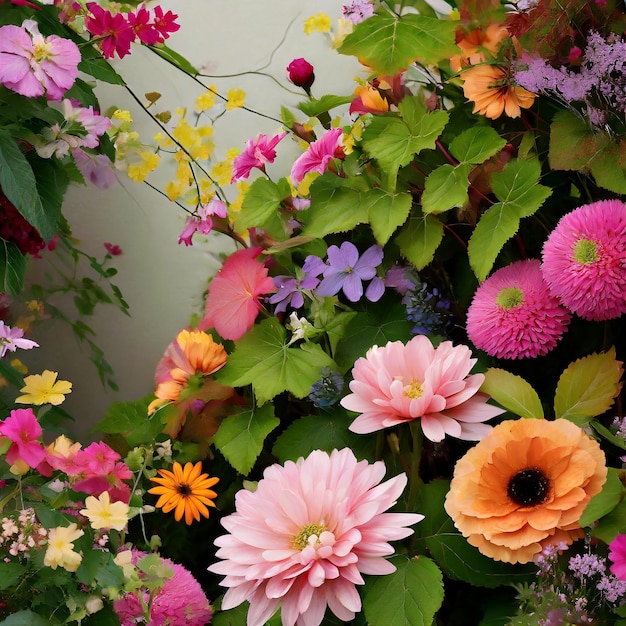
pixel 123 115
pixel 139 171
pixel 19 366
pixel 319 23
pixel 222 172
pixel 44 389
pixel 104 514
pixel 236 98
pixel 206 101
pixel 60 552
pixel 242 187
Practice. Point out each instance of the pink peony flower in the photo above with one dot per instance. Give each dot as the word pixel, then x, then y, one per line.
pixel 399 383
pixel 514 316
pixel 258 152
pixel 302 540
pixel 318 154
pixel 31 64
pixel 179 602
pixel 24 431
pixel 584 260
pixel 617 554
pixel 234 293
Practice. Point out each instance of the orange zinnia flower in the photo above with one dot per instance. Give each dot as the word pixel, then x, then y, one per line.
pixel 186 491
pixel 489 87
pixel 525 486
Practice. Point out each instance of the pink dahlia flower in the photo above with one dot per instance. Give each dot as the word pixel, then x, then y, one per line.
pixel 514 316
pixel 400 383
pixel 31 64
pixel 584 260
pixel 302 540
pixel 318 155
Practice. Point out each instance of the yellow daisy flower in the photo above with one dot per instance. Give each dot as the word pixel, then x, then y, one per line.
pixel 44 388
pixel 185 490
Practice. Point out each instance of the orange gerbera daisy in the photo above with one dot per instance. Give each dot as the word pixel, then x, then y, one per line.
pixel 185 490
pixel 490 88
pixel 525 486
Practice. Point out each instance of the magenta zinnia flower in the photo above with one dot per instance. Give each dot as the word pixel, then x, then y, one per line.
pixel 24 431
pixel 584 260
pixel 514 316
pixel 617 555
pixel 302 540
pixel 400 383
pixel 318 154
pixel 258 152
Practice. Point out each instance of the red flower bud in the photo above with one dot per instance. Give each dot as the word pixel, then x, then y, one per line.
pixel 300 73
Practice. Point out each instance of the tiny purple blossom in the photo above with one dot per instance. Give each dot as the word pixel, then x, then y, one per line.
pixel 357 11
pixel 346 272
pixel 290 291
pixel 12 338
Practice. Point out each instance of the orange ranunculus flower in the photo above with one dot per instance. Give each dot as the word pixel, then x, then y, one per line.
pixel 525 486
pixel 477 45
pixel 490 89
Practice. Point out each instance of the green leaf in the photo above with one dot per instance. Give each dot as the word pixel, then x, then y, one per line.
pixel 12 268
pixel 321 432
pixel 131 419
pixel 588 386
pixel 446 188
pixel 240 437
pixel 604 502
pixel 419 239
pixel 410 596
pixel 101 70
pixel 263 358
pixel 388 43
pixel 174 58
pixel 513 393
pixel 614 438
pixel 612 524
pixel 260 203
pixel 387 212
pixel 11 374
pixel 520 194
pixel 476 144
pixel 314 107
pixel 19 185
pixel 25 618
pixel 10 574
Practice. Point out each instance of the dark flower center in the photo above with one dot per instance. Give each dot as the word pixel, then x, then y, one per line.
pixel 184 490
pixel 529 487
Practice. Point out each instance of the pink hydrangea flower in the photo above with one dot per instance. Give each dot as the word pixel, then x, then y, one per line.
pixel 584 260
pixel 617 554
pixel 318 155
pixel 289 547
pixel 513 315
pixel 31 64
pixel 258 152
pixel 399 383
pixel 24 431
pixel 233 302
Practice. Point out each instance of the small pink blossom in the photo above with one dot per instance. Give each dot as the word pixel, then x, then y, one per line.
pixel 202 222
pixel 96 168
pixel 113 30
pixel 318 155
pixel 400 383
pixel 13 338
pixel 258 152
pixel 31 64
pixel 24 431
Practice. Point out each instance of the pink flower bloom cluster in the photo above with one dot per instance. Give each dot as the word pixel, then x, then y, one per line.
pixel 117 31
pixel 400 383
pixel 13 338
pixel 33 65
pixel 318 155
pixel 202 222
pixel 304 538
pixel 22 533
pixel 258 152
pixel 179 602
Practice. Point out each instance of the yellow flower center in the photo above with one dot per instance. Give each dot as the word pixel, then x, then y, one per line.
pixel 413 390
pixel 301 540
pixel 510 297
pixel 585 251
pixel 42 51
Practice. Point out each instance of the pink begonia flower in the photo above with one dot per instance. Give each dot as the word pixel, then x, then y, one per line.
pixel 399 383
pixel 96 168
pixel 617 554
pixel 233 302
pixel 318 155
pixel 302 540
pixel 258 152
pixel 24 431
pixel 31 64
pixel 202 222
pixel 13 338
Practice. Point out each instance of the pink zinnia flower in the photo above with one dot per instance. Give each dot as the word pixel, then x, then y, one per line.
pixel 584 260
pixel 514 316
pixel 302 540
pixel 234 296
pixel 258 152
pixel 24 431
pixel 318 154
pixel 617 554
pixel 400 383
pixel 31 64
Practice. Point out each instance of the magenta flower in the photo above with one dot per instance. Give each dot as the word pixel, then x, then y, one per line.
pixel 301 73
pixel 289 547
pixel 202 223
pixel 31 64
pixel 584 260
pixel 399 383
pixel 113 31
pixel 258 152
pixel 13 338
pixel 24 431
pixel 346 271
pixel 617 554
pixel 318 155
pixel 513 315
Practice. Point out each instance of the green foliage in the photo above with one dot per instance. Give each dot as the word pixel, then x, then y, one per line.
pixel 419 239
pixel 612 494
pixel 12 268
pixel 513 393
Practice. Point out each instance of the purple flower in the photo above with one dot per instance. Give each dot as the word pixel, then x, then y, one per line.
pixel 346 271
pixel 290 291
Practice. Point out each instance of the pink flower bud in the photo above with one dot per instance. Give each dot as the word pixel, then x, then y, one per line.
pixel 300 73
